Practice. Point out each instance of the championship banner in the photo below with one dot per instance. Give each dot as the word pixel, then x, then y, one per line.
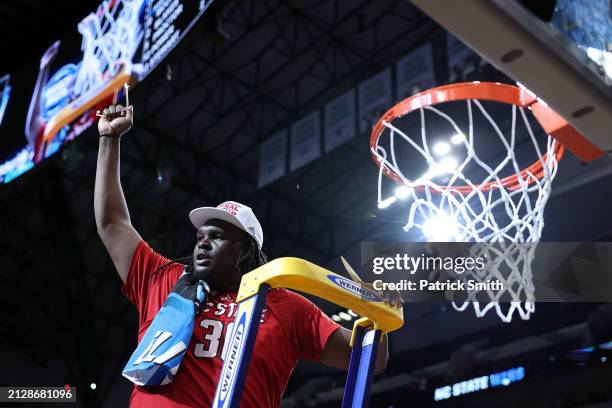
pixel 272 158
pixel 305 140
pixel 461 59
pixel 374 99
pixel 339 120
pixel 122 41
pixel 415 72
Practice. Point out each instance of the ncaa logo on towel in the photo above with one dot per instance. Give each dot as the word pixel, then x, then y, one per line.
pixel 354 288
pixel 233 356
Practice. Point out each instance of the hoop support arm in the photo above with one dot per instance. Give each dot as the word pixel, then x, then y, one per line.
pixel 560 129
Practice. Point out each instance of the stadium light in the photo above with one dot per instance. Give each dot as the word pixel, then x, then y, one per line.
pixel 345 316
pixel 402 192
pixel 440 228
pixel 448 164
pixel 441 148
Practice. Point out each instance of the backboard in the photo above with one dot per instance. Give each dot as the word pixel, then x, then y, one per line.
pixel 566 61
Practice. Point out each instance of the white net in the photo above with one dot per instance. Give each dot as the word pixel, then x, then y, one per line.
pixel 111 37
pixel 475 199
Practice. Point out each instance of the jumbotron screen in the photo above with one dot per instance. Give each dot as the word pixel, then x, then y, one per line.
pixel 121 42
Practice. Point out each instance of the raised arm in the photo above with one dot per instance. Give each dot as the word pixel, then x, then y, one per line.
pixel 112 215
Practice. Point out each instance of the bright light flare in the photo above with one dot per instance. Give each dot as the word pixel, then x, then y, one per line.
pixel 441 148
pixel 387 202
pixel 445 166
pixel 402 192
pixel 449 164
pixel 440 228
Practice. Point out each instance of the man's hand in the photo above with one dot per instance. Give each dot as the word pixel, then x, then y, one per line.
pixel 391 297
pixel 337 351
pixel 115 120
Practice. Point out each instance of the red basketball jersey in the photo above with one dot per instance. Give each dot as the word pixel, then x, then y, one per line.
pixel 292 328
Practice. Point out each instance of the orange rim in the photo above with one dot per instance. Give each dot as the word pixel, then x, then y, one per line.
pixel 491 91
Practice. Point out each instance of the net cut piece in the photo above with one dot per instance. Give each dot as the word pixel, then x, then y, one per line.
pixel 501 212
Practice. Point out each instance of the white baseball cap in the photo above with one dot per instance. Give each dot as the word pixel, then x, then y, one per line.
pixel 235 213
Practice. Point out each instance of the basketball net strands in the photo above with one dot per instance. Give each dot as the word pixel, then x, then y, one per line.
pixel 499 203
pixel 111 37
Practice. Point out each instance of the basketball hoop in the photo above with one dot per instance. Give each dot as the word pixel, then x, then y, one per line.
pixel 447 203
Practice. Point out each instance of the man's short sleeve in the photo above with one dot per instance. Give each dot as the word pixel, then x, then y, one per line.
pixel 311 327
pixel 146 279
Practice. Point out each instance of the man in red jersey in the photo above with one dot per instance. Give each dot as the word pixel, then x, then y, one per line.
pixel 228 244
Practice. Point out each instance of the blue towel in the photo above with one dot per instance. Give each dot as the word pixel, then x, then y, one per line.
pixel 158 356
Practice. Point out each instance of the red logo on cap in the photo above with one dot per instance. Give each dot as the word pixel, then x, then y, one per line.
pixel 229 208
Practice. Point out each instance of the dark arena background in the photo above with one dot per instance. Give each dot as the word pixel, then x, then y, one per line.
pixel 239 105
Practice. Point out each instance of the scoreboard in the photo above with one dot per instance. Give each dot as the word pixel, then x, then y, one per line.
pixel 122 41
